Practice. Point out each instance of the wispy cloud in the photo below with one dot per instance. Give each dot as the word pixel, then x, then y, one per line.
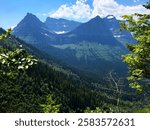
pixel 135 1
pixel 82 11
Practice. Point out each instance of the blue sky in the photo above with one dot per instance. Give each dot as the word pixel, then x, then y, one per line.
pixel 12 11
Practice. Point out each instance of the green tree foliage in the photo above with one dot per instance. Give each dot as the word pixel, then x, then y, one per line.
pixel 17 88
pixel 97 110
pixel 50 106
pixel 139 59
pixel 6 35
pixel 13 60
pixel 144 110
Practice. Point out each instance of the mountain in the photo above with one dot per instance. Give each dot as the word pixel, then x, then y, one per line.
pixel 33 31
pixel 61 26
pixel 2 30
pixel 90 49
pixel 94 30
pixel 114 26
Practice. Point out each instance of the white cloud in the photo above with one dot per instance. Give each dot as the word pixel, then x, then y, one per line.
pixel 79 11
pixel 106 7
pixel 135 1
pixel 82 11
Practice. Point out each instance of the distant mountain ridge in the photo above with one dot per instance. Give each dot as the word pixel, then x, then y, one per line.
pixel 33 31
pixel 91 47
pixel 61 26
pixel 94 30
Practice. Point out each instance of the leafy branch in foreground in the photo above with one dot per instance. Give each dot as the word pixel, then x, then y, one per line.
pixel 13 60
pixel 138 60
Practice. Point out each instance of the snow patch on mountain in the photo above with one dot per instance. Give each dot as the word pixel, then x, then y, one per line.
pixel 118 36
pixel 60 32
